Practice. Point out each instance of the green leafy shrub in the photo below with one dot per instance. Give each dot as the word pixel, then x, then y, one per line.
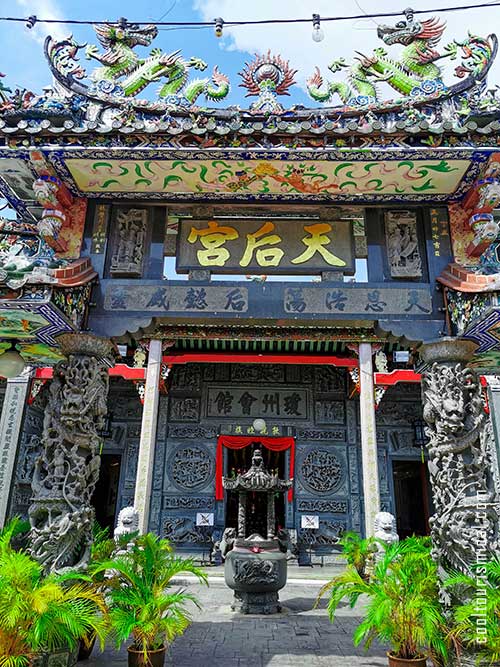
pixel 402 607
pixel 41 613
pixel 141 602
pixel 475 623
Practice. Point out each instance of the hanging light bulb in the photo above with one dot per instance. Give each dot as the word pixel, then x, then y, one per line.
pixel 219 26
pixel 11 363
pixel 317 34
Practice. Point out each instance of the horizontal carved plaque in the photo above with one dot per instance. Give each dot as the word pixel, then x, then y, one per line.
pixel 272 246
pixel 224 401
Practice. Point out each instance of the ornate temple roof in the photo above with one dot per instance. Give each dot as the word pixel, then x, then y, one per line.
pixel 351 144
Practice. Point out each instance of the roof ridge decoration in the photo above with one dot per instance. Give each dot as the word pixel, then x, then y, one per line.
pixel 110 93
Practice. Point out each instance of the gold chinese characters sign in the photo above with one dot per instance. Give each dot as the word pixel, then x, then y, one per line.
pixel 247 245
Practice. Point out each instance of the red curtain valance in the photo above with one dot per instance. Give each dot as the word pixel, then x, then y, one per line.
pixel 241 441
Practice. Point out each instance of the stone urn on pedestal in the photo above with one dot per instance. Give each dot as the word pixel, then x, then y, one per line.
pixel 255 565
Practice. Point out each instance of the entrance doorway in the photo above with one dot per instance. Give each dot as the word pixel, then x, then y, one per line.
pixel 411 496
pixel 106 491
pixel 240 460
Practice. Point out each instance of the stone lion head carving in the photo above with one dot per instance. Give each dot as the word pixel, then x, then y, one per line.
pixel 385 526
pixel 128 521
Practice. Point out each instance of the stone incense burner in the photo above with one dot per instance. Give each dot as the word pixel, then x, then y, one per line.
pixel 256 565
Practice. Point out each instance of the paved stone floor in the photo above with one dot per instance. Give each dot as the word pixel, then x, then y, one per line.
pixel 301 636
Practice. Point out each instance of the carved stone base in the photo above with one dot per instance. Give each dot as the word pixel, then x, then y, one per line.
pixel 256 603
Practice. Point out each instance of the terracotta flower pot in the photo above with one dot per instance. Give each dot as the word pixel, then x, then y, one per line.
pixel 154 659
pixel 405 662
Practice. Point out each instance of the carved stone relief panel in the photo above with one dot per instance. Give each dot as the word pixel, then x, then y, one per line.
pixel 321 470
pixel 329 412
pixel 190 467
pixel 353 469
pixel 403 253
pixel 328 533
pixel 184 409
pixel 382 472
pixel 396 413
pixel 402 443
pixel 181 530
pixel 129 242
pixel 192 432
pixel 338 435
pixel 351 414
pixel 187 378
pixel 329 380
pixel 29 451
pixel 299 374
pixel 269 373
pixel 329 506
pixel 188 502
pixel 355 513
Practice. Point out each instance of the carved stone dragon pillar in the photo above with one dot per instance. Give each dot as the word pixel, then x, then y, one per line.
pixel 67 470
pixel 465 525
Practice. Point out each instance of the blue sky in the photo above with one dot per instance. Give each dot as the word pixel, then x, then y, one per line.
pixel 23 63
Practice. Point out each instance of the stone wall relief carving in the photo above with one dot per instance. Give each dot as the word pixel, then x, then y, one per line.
pixel 329 412
pixel 192 432
pixel 186 378
pixel 182 530
pixel 403 251
pixel 327 506
pixel 321 470
pixel 129 242
pixel 328 533
pixel 329 380
pixel 188 502
pixel 269 373
pixel 190 467
pixel 184 409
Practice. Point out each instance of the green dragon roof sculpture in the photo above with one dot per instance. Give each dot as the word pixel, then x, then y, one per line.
pixel 112 90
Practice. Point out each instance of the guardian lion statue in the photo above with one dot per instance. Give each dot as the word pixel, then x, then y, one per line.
pixel 385 531
pixel 127 524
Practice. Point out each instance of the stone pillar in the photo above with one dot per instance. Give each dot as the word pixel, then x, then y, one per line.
pixel 144 477
pixel 369 458
pixel 465 525
pixel 67 470
pixel 10 430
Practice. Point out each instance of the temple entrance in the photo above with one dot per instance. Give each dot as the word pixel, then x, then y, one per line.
pixel 411 498
pixel 106 491
pixel 240 460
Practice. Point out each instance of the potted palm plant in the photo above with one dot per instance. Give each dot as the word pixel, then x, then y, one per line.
pixel 141 601
pixel 475 622
pixel 403 607
pixel 42 615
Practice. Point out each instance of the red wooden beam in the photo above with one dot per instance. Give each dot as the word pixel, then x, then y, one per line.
pixel 234 358
pixel 127 372
pixel 400 375
pixel 119 370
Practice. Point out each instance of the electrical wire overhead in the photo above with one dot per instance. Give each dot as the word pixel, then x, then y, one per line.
pixel 31 21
